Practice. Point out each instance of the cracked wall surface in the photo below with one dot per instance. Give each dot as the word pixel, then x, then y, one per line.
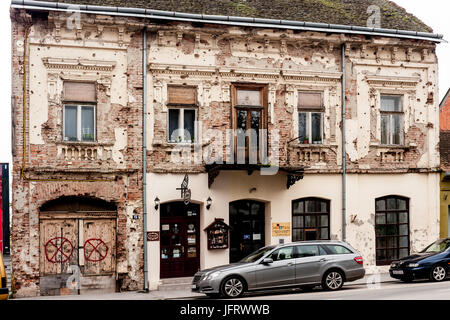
pixel 104 52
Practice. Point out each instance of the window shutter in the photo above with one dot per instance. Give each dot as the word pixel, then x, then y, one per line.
pixel 310 101
pixel 182 95
pixel 80 92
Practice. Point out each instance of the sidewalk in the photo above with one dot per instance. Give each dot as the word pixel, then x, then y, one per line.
pixel 186 294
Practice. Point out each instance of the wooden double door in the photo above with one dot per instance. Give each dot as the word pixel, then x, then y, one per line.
pixel 179 240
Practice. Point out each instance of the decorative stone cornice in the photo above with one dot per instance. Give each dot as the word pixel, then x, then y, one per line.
pixel 78 64
pixel 254 73
pixel 393 81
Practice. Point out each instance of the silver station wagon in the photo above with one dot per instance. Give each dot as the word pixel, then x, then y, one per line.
pixel 299 264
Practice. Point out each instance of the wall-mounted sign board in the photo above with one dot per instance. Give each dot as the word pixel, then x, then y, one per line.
pixel 281 229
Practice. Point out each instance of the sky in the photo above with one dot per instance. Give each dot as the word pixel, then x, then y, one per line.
pixel 434 13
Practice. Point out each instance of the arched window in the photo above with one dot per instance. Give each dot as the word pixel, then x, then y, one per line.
pixel 391 229
pixel 310 219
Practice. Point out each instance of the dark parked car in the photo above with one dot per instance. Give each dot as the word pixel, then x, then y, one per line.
pixel 432 263
pixel 299 264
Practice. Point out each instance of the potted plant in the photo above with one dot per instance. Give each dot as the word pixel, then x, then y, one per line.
pixel 88 137
pixel 306 140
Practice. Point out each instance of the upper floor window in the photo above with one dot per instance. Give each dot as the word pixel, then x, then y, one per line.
pixel 391 120
pixel 249 120
pixel 79 120
pixel 182 106
pixel 310 117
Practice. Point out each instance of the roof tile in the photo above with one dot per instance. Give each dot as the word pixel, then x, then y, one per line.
pixel 344 12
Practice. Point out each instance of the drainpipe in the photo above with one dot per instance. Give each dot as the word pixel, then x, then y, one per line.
pixel 344 160
pixel 144 151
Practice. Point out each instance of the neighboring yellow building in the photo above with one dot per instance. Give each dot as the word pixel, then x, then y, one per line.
pixel 445 205
pixel 444 147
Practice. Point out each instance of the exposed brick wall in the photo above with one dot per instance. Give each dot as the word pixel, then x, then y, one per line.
pixel 444 114
pixel 124 185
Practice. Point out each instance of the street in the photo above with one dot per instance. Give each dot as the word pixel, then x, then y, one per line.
pixel 384 291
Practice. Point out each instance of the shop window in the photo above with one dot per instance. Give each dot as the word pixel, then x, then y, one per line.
pixel 310 117
pixel 182 107
pixel 391 120
pixel 79 120
pixel 391 229
pixel 310 219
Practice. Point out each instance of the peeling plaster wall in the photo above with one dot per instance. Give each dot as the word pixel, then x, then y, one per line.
pixel 288 62
pixel 108 52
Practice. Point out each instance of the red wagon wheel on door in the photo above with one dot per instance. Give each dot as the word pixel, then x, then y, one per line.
pixel 95 250
pixel 60 245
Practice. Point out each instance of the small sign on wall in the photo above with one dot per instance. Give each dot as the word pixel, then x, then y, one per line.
pixel 281 229
pixel 153 236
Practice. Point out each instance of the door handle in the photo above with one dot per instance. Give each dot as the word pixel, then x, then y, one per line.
pixel 323 260
pixel 290 264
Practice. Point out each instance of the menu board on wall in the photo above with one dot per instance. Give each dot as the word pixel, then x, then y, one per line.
pixel 218 234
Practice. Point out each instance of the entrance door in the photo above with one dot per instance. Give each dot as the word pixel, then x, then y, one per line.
pixel 180 240
pixel 77 241
pixel 247 228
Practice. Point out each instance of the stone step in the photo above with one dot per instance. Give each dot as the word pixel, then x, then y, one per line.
pixel 175 287
pixel 172 284
pixel 182 280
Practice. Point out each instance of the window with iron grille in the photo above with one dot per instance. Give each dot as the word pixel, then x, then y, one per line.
pixel 310 219
pixel 391 229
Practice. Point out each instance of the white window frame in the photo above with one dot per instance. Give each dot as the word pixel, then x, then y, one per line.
pixel 79 133
pixel 309 121
pixel 181 124
pixel 401 113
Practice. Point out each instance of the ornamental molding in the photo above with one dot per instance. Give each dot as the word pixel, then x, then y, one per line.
pixel 263 74
pixel 78 64
pixel 392 81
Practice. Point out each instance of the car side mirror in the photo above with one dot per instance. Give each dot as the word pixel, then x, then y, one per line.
pixel 267 261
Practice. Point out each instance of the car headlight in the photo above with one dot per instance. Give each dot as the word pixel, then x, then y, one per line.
pixel 413 265
pixel 213 275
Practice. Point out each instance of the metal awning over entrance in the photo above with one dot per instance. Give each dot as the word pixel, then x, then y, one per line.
pixel 293 174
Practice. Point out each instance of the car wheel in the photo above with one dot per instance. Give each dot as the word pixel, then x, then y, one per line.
pixel 232 287
pixel 333 280
pixel 438 273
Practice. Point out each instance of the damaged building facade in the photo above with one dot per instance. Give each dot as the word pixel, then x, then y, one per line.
pixel 242 135
pixel 77 175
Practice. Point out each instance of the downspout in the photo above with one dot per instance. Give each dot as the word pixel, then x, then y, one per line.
pixel 144 151
pixel 344 160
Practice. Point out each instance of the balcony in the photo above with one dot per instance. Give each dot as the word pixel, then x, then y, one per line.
pixel 82 151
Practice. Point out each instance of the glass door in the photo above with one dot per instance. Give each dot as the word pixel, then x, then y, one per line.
pixel 247 222
pixel 248 140
pixel 179 240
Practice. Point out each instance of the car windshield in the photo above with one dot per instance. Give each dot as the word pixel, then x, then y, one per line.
pixel 438 246
pixel 256 255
